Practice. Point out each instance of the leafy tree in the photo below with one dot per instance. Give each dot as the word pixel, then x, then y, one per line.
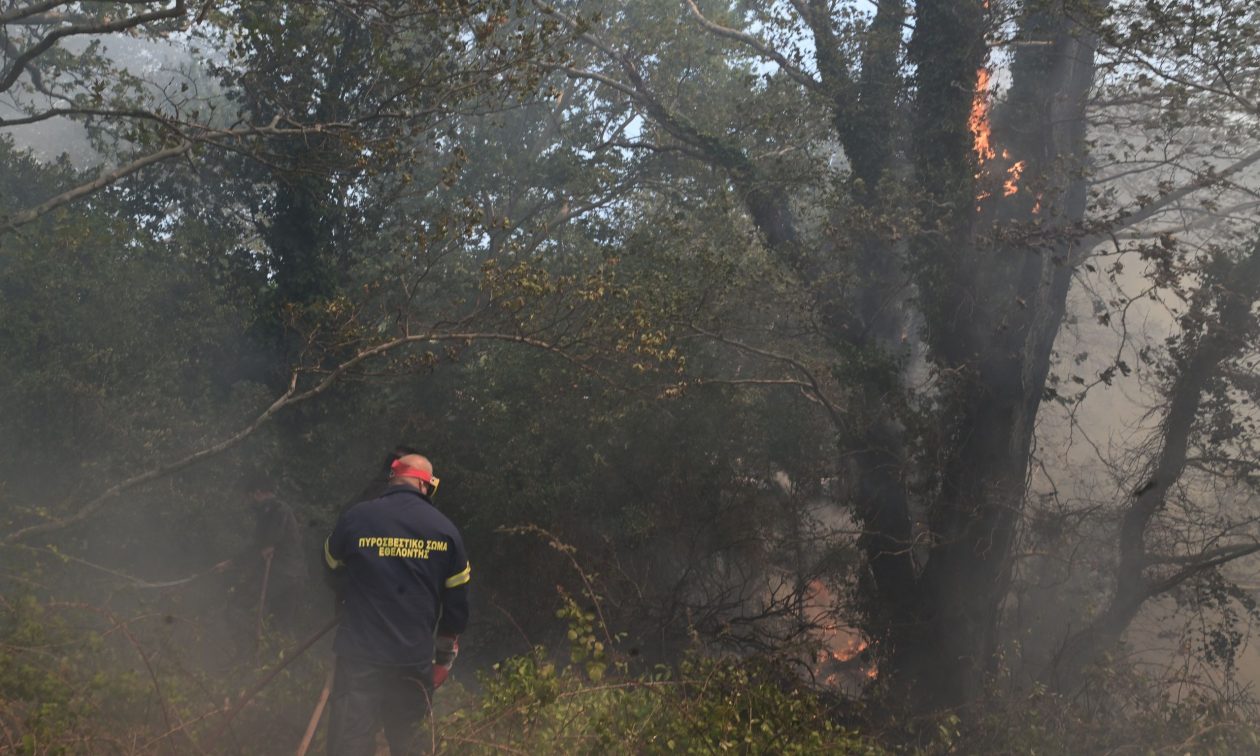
pixel 933 233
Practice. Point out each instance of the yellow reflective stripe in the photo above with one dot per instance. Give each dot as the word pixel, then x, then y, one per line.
pixel 330 560
pixel 455 581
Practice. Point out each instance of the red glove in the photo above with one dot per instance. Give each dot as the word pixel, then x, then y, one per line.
pixel 440 674
pixel 445 649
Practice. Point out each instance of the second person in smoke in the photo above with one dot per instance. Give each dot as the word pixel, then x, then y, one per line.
pixel 406 603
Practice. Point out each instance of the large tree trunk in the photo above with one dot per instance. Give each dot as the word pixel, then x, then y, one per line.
pixel 992 314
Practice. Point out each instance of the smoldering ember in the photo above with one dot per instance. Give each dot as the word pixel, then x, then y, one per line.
pixel 574 376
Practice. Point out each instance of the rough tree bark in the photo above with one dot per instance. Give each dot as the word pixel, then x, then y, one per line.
pixel 992 314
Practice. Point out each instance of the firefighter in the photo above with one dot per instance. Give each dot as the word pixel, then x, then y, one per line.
pixel 337 579
pixel 406 603
pixel 283 549
pixel 271 573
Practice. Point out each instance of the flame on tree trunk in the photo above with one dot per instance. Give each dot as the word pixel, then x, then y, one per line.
pixel 991 315
pixel 988 162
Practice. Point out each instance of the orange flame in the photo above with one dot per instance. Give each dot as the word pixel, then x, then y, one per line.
pixel 978 122
pixel 840 646
pixel 851 649
pixel 982 133
pixel 1011 185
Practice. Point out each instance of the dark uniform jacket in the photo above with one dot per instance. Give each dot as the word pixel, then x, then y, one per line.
pixel 407 576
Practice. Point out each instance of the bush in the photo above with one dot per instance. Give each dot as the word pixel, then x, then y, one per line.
pixel 593 705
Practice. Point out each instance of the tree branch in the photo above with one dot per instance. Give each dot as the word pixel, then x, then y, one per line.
pixel 25 11
pixel 91 187
pixel 760 47
pixel 1231 330
pixel 811 382
pixel 290 397
pixel 15 68
pixel 1204 557
pixel 1089 241
pixel 1212 559
pixel 75 111
pixel 831 67
pixel 770 211
pixel 217 137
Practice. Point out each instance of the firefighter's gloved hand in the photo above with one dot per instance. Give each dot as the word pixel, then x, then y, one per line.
pixel 439 675
pixel 445 649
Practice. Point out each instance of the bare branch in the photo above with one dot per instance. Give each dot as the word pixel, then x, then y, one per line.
pixel 70 112
pixel 812 384
pixel 158 472
pixel 218 137
pixel 760 47
pixel 1204 562
pixel 599 78
pixel 1145 213
pixel 1205 557
pixel 134 582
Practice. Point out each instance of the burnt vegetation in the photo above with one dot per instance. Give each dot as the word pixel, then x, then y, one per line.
pixel 805 376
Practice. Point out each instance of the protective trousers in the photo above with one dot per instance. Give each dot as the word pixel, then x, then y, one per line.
pixel 367 696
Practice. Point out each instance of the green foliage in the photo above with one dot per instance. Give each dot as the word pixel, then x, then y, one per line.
pixel 61 688
pixel 585 646
pixel 705 705
pixel 76 678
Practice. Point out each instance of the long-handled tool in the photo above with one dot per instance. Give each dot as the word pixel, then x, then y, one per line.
pixel 231 712
pixel 315 715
